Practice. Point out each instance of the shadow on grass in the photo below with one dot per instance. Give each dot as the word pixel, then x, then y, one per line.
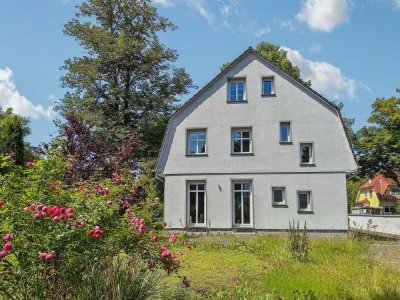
pixel 385 294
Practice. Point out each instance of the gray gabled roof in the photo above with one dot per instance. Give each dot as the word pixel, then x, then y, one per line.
pixel 250 50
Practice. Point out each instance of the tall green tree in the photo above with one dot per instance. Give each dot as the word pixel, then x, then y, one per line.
pixel 125 82
pixel 277 56
pixel 378 145
pixel 13 131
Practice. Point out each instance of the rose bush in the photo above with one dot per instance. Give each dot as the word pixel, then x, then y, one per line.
pixel 53 232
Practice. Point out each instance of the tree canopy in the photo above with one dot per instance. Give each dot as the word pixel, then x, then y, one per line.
pixel 13 131
pixel 378 145
pixel 125 83
pixel 277 56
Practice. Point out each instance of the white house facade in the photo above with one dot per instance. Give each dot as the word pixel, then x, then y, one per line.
pixel 253 150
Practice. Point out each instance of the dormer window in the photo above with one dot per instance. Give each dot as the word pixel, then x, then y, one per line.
pixel 237 90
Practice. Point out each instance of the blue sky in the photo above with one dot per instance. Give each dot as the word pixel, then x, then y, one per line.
pixel 349 49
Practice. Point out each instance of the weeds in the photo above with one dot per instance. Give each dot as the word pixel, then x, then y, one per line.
pixel 298 242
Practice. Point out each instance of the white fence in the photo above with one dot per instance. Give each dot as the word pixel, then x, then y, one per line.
pixel 389 224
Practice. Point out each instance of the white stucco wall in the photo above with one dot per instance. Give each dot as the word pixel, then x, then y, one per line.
pixel 389 224
pixel 271 164
pixel 328 200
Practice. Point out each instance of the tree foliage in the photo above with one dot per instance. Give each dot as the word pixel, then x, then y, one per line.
pixel 125 82
pixel 277 56
pixel 378 145
pixel 13 131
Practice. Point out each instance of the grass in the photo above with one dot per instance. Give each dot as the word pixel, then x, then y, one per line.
pixel 259 267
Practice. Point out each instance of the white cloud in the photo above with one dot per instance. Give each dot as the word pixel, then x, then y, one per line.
pixel 289 24
pixel 315 48
pixel 396 4
pixel 10 97
pixel 227 7
pixel 200 7
pixel 324 15
pixel 326 78
pixel 165 3
pixel 262 31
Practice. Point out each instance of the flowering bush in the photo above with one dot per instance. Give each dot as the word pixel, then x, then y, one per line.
pixel 52 232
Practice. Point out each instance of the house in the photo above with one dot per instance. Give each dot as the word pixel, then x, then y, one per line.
pixel 252 150
pixel 378 195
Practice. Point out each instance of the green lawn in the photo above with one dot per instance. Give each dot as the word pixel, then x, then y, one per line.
pixel 259 267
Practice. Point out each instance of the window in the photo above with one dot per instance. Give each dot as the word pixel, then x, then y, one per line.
pixel 304 199
pixel 197 203
pixel 306 153
pixel 241 141
pixel 196 143
pixel 237 91
pixel 394 191
pixel 389 209
pixel 242 202
pixel 285 132
pixel 268 86
pixel 278 196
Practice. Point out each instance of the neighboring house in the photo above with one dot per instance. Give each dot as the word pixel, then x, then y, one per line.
pixel 377 196
pixel 253 150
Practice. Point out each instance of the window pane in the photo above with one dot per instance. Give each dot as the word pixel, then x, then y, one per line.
pixel 305 153
pixel 278 195
pixel 246 186
pixel 237 186
pixel 192 207
pixel 303 199
pixel 232 91
pixel 201 135
pixel 238 208
pixel 202 147
pixel 267 87
pixel 246 134
pixel 236 134
pixel 246 207
pixel 200 187
pixel 236 146
pixel 240 88
pixel 285 132
pixel 246 146
pixel 200 215
pixel 192 187
pixel 193 147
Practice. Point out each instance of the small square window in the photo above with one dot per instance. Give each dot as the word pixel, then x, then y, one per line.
pixel 306 153
pixel 268 86
pixel 285 132
pixel 237 91
pixel 196 142
pixel 241 141
pixel 278 196
pixel 304 200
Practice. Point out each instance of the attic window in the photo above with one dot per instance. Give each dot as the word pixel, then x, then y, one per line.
pixel 268 86
pixel 237 90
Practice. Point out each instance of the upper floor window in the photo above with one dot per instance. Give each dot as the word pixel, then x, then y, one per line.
pixel 241 140
pixel 268 86
pixel 285 132
pixel 304 200
pixel 306 153
pixel 196 143
pixel 394 191
pixel 237 90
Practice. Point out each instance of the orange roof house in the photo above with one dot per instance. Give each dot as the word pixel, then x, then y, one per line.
pixel 380 194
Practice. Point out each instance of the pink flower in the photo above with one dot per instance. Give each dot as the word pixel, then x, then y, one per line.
pixel 173 238
pixel 109 203
pixel 29 164
pixel 3 254
pixel 50 256
pixel 55 185
pixel 154 239
pixel 42 255
pixel 185 282
pixel 117 179
pixel 8 237
pixel 180 252
pixel 80 224
pixel 165 254
pixel 2 202
pixel 96 233
pixel 102 191
pixel 7 247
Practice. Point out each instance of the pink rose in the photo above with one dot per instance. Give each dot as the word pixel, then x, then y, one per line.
pixel 8 237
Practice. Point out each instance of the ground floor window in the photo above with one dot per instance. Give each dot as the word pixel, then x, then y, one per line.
pixel 196 203
pixel 304 199
pixel 389 209
pixel 242 202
